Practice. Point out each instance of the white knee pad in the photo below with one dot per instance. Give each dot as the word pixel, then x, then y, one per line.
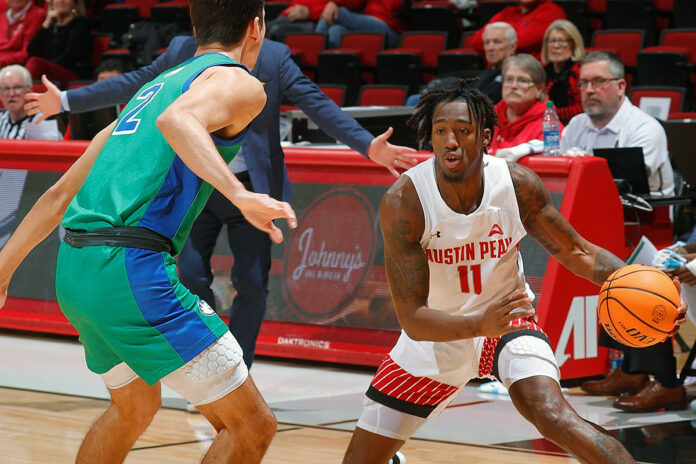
pixel 526 356
pixel 215 372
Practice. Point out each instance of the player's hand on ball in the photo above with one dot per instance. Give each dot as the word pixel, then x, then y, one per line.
pixel 681 312
pixel 495 321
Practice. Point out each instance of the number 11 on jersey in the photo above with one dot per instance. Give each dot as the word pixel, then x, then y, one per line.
pixel 472 272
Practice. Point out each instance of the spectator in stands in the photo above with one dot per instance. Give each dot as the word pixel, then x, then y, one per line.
pixel 610 120
pixel 530 19
pixel 562 52
pixel 15 82
pixel 299 16
pixel 18 24
pixel 62 43
pixel 523 103
pixel 109 68
pixel 499 43
pixel 342 16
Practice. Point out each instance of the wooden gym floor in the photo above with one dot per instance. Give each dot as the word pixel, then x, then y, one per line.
pixel 48 400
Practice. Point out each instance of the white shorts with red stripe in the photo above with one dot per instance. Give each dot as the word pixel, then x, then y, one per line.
pixel 398 402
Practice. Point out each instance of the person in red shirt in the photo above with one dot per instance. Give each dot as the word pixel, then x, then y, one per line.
pixel 18 24
pixel 341 16
pixel 530 19
pixel 299 16
pixel 523 104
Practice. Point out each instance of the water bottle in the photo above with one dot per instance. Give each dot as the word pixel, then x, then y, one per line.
pixel 551 129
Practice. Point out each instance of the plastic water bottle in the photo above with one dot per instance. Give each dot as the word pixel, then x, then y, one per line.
pixel 551 129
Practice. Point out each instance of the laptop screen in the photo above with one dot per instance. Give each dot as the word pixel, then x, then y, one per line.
pixel 627 164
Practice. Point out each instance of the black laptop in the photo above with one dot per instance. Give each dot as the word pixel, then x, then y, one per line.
pixel 627 164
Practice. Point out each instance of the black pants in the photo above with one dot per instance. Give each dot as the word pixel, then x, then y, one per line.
pixel 657 360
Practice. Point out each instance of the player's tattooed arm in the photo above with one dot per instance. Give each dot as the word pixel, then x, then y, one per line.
pixel 546 225
pixel 401 219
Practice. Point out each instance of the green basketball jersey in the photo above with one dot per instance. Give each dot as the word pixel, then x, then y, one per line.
pixel 138 179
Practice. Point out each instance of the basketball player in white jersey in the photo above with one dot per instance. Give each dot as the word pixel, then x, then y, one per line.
pixel 451 228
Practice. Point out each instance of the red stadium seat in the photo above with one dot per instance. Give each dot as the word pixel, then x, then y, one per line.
pixel 368 43
pixel 627 43
pixel 676 95
pixel 683 115
pixel 414 61
pixel 307 46
pixel 681 38
pixel 383 95
pixel 337 93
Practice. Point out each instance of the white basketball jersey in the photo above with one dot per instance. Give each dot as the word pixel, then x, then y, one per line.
pixel 473 261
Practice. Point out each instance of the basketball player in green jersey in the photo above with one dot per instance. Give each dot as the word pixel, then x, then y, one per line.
pixel 127 206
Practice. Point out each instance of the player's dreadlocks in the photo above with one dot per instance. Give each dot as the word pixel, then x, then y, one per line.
pixel 480 110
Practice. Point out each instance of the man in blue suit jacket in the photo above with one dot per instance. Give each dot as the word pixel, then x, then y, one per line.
pixel 260 167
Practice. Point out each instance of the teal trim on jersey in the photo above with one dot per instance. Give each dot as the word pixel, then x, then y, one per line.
pixel 138 180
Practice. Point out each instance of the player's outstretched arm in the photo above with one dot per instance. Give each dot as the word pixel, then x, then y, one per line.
pixel 543 222
pixel 546 225
pixel 47 212
pixel 390 156
pixel 401 219
pixel 212 104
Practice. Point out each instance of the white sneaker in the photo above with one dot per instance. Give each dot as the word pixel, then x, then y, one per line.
pixel 693 405
pixel 495 387
pixel 398 458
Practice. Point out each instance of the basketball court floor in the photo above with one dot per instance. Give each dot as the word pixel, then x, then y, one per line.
pixel 48 399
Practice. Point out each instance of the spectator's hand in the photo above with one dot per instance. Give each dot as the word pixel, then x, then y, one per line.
pixel 298 13
pixel 47 103
pixel 390 156
pixel 681 317
pixel 51 17
pixel 330 13
pixel 260 210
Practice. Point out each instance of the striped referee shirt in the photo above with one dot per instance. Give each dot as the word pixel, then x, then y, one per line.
pixel 25 128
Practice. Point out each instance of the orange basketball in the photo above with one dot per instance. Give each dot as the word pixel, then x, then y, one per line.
pixel 638 305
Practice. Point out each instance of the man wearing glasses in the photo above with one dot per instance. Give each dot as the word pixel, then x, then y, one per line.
pixel 610 120
pixel 15 82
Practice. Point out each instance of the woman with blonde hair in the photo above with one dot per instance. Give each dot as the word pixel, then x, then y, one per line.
pixel 561 53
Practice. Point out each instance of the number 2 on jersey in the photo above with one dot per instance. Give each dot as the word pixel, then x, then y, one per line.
pixel 475 277
pixel 129 123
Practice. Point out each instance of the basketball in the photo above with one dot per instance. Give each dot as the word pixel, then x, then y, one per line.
pixel 638 305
